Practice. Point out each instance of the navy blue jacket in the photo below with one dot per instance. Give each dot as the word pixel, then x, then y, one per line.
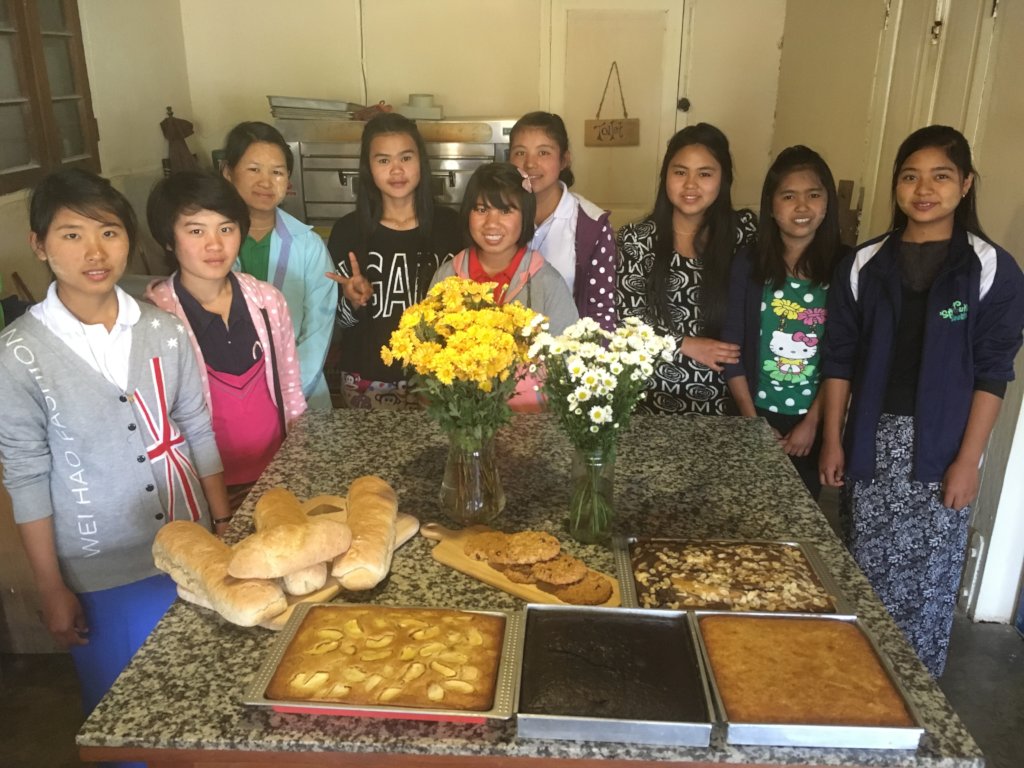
pixel 742 323
pixel 975 315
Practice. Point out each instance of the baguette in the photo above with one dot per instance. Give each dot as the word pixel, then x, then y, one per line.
pixel 372 514
pixel 198 561
pixel 278 506
pixel 282 549
pixel 196 599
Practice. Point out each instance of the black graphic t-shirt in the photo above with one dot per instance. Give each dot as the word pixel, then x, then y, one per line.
pixel 683 385
pixel 399 268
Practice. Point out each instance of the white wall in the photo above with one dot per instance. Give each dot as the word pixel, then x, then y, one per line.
pixel 477 58
pixel 999 157
pixel 826 81
pixel 239 51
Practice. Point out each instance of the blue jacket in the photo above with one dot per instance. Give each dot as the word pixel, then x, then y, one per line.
pixel 742 323
pixel 975 314
pixel 298 261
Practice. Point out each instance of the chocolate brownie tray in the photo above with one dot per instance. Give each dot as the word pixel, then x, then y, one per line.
pixel 410 663
pixel 803 680
pixel 612 674
pixel 724 575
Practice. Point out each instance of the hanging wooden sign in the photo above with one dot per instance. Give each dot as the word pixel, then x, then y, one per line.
pixel 612 132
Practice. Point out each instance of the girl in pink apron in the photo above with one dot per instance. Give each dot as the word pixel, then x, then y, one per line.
pixel 239 326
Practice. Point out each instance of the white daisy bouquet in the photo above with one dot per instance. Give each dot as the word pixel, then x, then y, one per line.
pixel 593 378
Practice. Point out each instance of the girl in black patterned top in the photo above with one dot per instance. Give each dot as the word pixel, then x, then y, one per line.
pixel 674 270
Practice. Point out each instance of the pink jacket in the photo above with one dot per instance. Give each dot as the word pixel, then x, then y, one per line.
pixel 258 295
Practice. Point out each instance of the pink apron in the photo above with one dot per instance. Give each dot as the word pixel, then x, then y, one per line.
pixel 246 422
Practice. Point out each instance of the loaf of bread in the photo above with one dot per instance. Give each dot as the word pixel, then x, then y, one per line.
pixel 305 580
pixel 372 513
pixel 282 549
pixel 278 506
pixel 191 597
pixel 198 561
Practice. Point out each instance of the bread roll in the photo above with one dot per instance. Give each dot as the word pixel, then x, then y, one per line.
pixel 282 549
pixel 278 506
pixel 372 512
pixel 191 597
pixel 198 561
pixel 305 580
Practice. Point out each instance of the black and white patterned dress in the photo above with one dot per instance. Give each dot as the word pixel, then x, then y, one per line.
pixel 683 385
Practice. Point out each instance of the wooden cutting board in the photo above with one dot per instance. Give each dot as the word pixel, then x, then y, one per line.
pixel 334 506
pixel 449 551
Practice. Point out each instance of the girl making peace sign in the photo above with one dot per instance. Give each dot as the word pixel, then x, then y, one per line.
pixel 386 252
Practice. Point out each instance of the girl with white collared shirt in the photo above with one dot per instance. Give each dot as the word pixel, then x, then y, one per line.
pixel 105 435
pixel 573 234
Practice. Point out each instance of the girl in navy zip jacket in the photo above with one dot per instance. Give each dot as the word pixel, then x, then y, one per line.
pixel 923 326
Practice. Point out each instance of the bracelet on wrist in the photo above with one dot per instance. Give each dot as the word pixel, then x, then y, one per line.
pixel 222 520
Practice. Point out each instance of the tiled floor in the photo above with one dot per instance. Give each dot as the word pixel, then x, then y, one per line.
pixel 984 681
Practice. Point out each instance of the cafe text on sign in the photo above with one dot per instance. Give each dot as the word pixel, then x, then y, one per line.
pixel 612 132
pixel 616 132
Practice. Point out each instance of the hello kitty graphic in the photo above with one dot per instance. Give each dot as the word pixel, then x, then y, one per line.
pixel 793 350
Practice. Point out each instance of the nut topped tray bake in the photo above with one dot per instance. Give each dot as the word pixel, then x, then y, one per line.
pixel 363 657
pixel 723 575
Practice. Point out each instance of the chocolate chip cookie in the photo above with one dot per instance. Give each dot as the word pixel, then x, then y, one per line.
pixel 525 548
pixel 479 546
pixel 561 571
pixel 592 589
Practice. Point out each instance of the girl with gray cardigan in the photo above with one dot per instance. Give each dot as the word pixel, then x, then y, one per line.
pixel 105 435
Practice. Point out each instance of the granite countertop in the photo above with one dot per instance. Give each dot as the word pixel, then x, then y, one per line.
pixel 704 477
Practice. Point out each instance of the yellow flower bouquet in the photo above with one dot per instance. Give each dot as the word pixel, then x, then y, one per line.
pixel 465 354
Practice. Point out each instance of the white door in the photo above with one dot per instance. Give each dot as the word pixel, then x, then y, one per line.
pixel 722 56
pixel 643 37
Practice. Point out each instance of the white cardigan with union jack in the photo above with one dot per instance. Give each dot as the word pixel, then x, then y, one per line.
pixel 111 467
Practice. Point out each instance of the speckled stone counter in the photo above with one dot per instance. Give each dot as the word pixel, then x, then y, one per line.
pixel 688 476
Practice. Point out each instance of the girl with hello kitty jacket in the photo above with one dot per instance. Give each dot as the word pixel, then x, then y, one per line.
pixel 777 310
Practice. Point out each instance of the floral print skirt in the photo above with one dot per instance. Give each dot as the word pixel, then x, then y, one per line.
pixel 910 546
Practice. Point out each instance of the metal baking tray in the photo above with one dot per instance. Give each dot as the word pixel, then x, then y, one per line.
pixel 504 690
pixel 585 728
pixel 627 583
pixel 812 735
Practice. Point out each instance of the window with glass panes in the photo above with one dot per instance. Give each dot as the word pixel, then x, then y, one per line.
pixel 46 118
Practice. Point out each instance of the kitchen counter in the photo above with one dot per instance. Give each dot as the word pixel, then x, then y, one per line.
pixel 177 704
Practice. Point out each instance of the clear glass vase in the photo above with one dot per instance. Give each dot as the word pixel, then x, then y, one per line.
pixel 471 492
pixel 592 506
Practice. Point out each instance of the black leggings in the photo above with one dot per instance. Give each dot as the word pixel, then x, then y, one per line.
pixel 806 466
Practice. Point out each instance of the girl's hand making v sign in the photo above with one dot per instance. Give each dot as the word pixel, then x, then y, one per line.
pixel 357 289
